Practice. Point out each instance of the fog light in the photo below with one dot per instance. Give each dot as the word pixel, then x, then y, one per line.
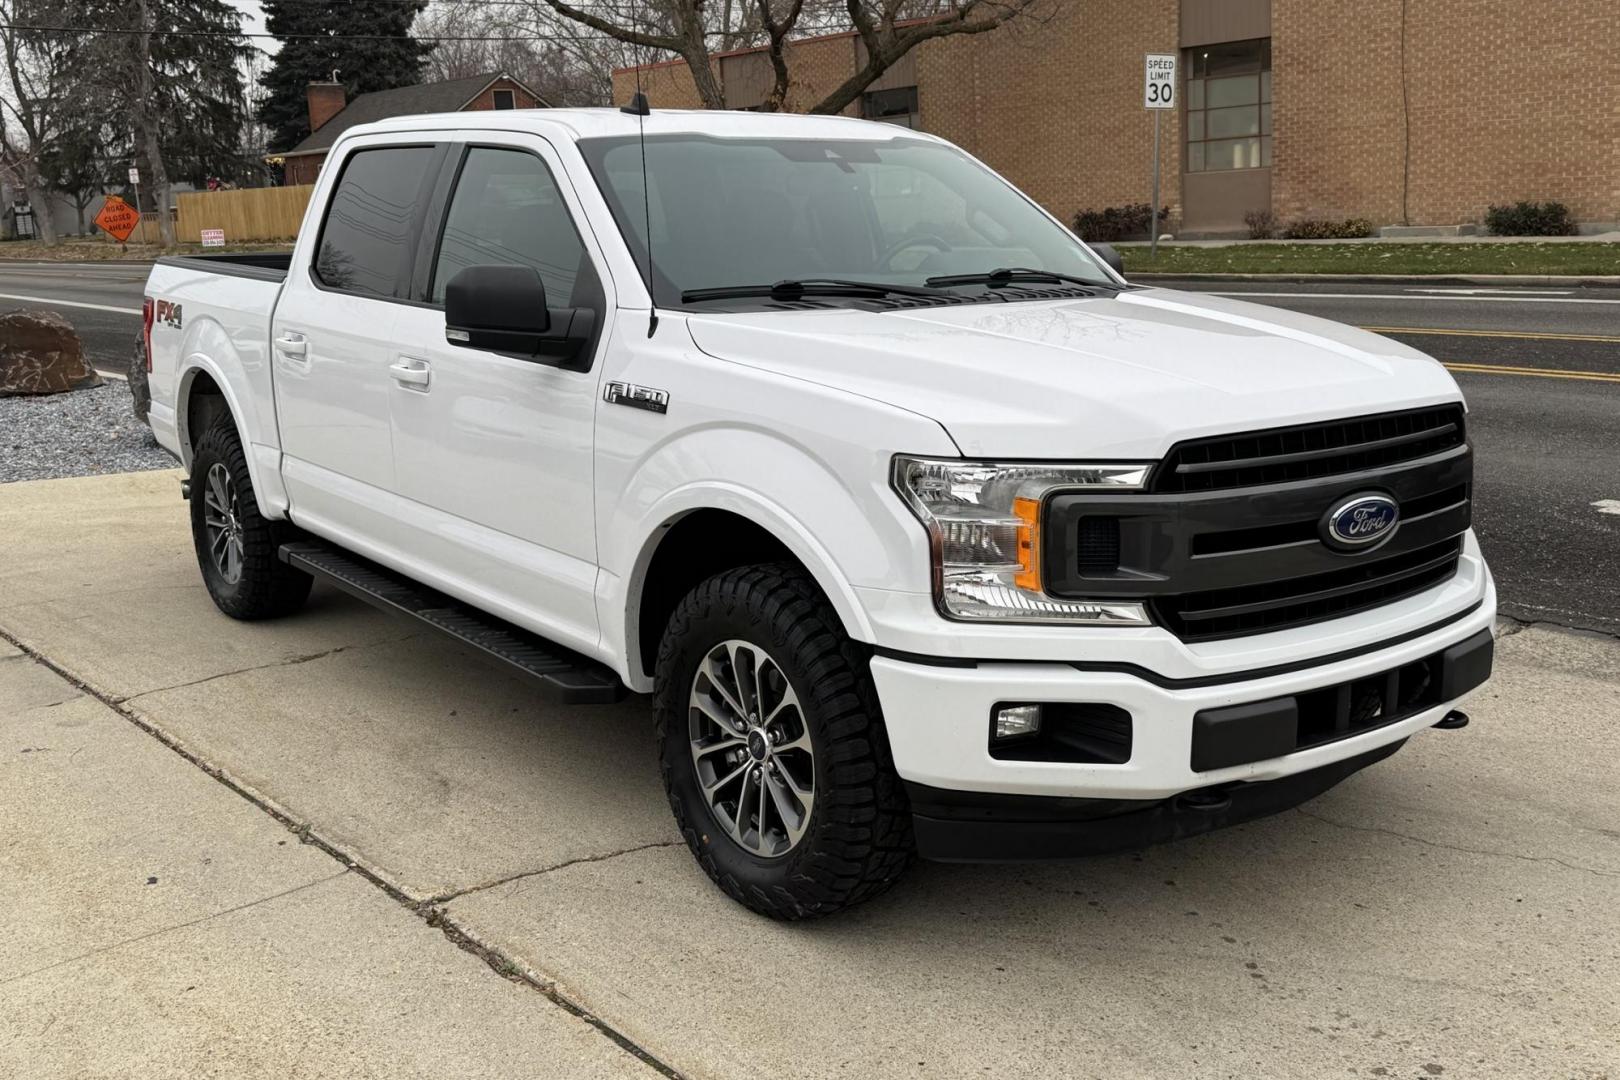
pixel 1016 722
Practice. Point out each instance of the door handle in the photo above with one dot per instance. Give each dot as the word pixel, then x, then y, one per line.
pixel 411 372
pixel 292 345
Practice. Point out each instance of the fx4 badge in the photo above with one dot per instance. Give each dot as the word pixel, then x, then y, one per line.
pixel 636 397
pixel 167 313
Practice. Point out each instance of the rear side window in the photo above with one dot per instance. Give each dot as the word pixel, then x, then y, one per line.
pixel 507 211
pixel 368 234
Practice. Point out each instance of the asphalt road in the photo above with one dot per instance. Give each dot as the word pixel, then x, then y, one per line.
pixel 1540 367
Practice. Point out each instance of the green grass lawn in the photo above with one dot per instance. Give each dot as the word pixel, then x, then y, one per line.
pixel 1584 259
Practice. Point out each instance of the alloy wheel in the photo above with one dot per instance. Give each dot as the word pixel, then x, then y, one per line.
pixel 223 521
pixel 751 748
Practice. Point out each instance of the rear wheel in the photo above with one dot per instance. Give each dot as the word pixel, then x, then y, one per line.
pixel 236 545
pixel 772 747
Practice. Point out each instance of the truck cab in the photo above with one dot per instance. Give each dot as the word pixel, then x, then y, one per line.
pixel 925 529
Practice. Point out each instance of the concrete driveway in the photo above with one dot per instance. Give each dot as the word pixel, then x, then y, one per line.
pixel 1452 912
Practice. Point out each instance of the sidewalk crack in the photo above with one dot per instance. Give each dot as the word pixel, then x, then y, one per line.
pixel 456 894
pixel 1456 847
pixel 290 661
pixel 198 921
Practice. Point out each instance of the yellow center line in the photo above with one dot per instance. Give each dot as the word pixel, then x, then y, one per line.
pixel 1518 335
pixel 1544 373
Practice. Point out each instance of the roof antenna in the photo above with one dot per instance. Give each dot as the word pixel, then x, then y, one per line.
pixel 639 109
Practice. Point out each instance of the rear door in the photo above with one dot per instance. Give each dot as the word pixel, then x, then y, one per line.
pixel 493 452
pixel 331 341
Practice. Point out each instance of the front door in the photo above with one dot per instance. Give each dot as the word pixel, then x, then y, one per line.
pixel 493 452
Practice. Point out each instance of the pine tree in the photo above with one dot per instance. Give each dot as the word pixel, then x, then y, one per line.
pixel 367 42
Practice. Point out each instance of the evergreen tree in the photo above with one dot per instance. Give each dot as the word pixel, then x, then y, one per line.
pixel 367 42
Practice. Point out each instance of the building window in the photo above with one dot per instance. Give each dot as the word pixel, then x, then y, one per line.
pixel 897 106
pixel 1229 106
pixel 505 99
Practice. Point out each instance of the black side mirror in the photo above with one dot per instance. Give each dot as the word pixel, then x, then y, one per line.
pixel 1108 254
pixel 503 309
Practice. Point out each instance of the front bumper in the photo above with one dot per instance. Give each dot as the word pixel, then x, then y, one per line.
pixel 938 715
pixel 969 827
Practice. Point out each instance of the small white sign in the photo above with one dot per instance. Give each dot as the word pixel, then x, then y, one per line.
pixel 134 175
pixel 213 238
pixel 1159 88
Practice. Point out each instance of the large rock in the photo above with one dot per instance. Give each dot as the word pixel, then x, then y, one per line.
pixel 40 353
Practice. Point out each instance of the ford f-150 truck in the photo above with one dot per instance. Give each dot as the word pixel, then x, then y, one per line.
pixel 926 530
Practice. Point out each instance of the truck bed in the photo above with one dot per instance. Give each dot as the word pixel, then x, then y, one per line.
pixel 261 265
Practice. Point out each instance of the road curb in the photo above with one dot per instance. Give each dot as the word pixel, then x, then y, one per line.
pixel 1598 281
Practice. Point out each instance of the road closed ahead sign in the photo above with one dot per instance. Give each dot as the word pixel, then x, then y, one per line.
pixel 1160 87
pixel 117 218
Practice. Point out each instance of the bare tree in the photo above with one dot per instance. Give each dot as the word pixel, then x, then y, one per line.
pixel 695 30
pixel 565 63
pixel 34 105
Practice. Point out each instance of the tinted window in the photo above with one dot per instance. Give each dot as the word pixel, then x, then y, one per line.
pixel 507 211
pixel 368 231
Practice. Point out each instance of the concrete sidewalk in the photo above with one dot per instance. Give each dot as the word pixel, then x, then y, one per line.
pixel 1453 911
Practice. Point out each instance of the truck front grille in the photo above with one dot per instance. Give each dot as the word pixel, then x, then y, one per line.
pixel 1277 605
pixel 1230 538
pixel 1308 451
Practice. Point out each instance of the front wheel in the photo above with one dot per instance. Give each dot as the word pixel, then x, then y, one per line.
pixel 772 747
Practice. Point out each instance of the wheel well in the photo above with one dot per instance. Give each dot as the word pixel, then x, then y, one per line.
pixel 204 403
pixel 695 548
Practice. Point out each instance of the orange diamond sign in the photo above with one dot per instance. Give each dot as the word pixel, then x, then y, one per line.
pixel 117 218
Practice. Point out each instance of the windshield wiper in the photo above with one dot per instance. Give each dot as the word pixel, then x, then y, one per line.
pixel 790 289
pixel 1008 275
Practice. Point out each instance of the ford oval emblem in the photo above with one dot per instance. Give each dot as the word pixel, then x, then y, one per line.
pixel 1361 521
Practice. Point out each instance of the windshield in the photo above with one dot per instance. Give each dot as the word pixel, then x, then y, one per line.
pixel 731 212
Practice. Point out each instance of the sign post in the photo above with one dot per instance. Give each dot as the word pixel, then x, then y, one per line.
pixel 134 182
pixel 1158 95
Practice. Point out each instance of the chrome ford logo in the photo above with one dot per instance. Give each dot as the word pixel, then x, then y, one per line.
pixel 1360 521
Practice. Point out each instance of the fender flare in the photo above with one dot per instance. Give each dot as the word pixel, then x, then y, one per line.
pixel 763 511
pixel 269 495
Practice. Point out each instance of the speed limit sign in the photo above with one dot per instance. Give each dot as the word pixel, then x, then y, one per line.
pixel 1159 89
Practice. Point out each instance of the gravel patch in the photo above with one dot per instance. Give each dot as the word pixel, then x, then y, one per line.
pixel 80 433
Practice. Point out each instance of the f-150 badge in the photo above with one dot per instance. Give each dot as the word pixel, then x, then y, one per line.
pixel 636 397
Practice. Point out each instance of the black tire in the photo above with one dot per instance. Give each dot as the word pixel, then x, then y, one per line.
pixel 266 587
pixel 857 839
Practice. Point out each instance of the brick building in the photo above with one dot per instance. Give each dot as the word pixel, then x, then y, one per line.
pixel 330 115
pixel 1419 112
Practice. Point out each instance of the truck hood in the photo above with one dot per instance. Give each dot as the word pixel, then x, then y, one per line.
pixel 1121 377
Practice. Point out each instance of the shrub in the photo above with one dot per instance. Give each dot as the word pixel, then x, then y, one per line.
pixel 1321 229
pixel 1530 219
pixel 1131 222
pixel 1262 224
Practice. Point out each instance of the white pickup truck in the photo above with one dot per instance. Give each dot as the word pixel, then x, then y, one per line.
pixel 926 530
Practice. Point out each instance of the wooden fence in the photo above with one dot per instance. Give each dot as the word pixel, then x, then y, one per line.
pixel 247 214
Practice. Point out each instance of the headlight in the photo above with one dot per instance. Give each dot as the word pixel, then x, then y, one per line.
pixel 984 521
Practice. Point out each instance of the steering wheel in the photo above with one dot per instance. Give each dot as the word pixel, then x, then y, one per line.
pixel 886 260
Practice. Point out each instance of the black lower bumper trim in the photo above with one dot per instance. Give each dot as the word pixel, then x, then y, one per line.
pixel 963 826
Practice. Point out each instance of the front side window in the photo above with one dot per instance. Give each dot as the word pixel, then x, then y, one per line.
pixel 368 233
pixel 732 211
pixel 1229 106
pixel 507 211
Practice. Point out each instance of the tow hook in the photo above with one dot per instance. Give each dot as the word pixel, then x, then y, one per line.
pixel 1453 720
pixel 1204 800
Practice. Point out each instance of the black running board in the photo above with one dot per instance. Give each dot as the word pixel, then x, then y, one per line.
pixel 579 680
